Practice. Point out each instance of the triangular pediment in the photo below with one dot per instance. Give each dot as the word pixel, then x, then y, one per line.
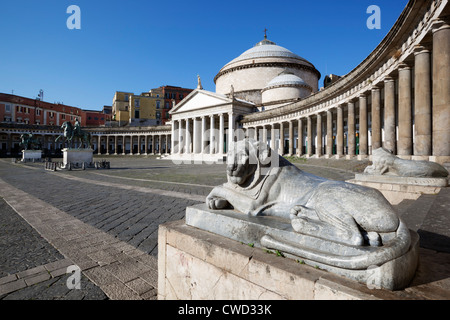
pixel 200 99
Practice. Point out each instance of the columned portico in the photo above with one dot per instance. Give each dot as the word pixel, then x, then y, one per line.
pixel 210 125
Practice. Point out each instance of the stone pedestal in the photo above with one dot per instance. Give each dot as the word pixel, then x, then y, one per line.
pixel 396 189
pixel 391 266
pixel 77 156
pixel 194 264
pixel 29 155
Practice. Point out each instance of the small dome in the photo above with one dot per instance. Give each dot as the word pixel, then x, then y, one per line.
pixel 286 80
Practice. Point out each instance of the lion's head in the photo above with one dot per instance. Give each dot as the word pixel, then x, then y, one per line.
pixel 243 160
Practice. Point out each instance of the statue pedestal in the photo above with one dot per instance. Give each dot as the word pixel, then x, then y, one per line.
pixel 77 156
pixel 209 250
pixel 396 189
pixel 194 264
pixel 29 155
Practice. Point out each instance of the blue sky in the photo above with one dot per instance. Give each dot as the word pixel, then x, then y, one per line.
pixel 137 45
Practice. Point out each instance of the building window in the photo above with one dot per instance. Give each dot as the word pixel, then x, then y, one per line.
pixel 181 96
pixel 158 104
pixel 126 97
pixel 7 108
pixel 158 115
pixel 136 103
pixel 136 114
pixel 38 112
pixel 63 116
pixel 167 105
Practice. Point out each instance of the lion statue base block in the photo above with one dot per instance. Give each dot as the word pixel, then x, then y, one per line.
pixel 383 267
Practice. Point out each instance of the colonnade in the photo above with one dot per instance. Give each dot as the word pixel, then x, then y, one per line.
pixel 138 143
pixel 405 108
pixel 206 134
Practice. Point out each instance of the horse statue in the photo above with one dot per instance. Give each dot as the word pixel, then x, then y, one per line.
pixel 29 142
pixel 71 132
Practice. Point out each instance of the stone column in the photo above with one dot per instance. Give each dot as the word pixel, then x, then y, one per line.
pixel 188 146
pixel 291 138
pixel 196 136
pixel 231 128
pixel 146 144
pixel 212 140
pixel 180 138
pixel 168 138
pixel 340 132
pixel 351 135
pixel 310 138
pixel 172 149
pixel 123 144
pixel 264 134
pixel 99 145
pixel 441 88
pixel 329 133
pixel 160 145
pixel 272 136
pixel 404 111
pixel 107 144
pixel 116 142
pixel 152 145
pixel 139 144
pixel 131 144
pixel 221 134
pixel 422 101
pixel 203 134
pixel 389 115
pixel 376 118
pixel 319 148
pixel 363 141
pixel 281 144
pixel 300 138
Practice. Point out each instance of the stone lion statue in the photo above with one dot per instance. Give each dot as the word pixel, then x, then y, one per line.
pixel 384 162
pixel 334 210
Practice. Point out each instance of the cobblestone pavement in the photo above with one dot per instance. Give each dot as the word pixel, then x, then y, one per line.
pixel 127 202
pixel 104 221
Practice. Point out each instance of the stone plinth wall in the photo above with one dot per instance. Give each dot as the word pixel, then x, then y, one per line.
pixel 196 265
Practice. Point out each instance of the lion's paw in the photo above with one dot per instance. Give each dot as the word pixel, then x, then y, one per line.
pixel 216 203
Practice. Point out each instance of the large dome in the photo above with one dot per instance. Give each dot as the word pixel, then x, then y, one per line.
pixel 267 49
pixel 252 71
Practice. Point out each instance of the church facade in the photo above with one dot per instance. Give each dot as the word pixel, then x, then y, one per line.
pixel 397 98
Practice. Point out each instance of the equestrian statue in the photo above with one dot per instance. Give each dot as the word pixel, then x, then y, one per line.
pixel 29 142
pixel 74 131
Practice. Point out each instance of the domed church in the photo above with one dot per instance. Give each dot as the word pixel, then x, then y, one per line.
pixel 264 77
pixel 267 74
